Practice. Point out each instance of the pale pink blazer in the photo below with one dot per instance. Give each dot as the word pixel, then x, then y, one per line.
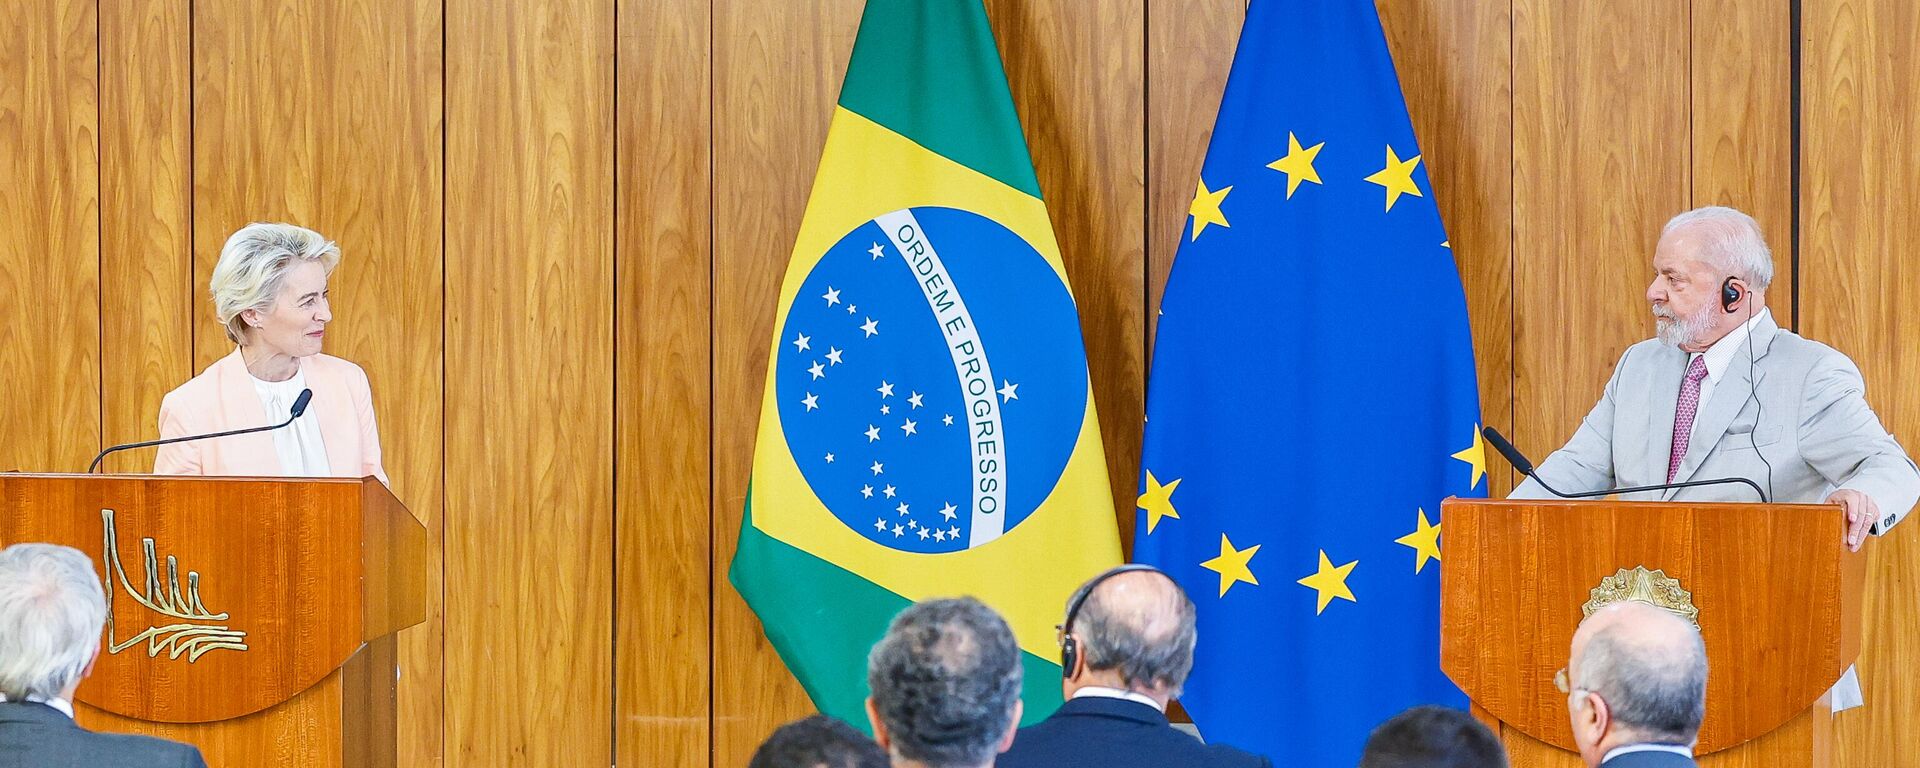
pixel 223 397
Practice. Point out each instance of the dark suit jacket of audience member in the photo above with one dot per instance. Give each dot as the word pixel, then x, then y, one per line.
pixel 1649 760
pixel 1115 733
pixel 39 736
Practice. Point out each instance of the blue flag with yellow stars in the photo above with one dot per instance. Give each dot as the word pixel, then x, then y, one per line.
pixel 1312 398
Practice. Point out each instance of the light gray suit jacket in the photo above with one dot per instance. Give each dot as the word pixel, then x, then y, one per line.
pixel 38 736
pixel 1801 402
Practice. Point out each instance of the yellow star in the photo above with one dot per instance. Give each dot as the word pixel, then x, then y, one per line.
pixel 1329 582
pixel 1232 565
pixel 1425 541
pixel 1206 208
pixel 1397 177
pixel 1475 455
pixel 1298 164
pixel 1158 501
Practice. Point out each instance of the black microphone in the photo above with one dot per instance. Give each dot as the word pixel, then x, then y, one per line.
pixel 1520 462
pixel 299 407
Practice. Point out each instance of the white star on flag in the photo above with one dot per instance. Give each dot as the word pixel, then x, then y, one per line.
pixel 873 433
pixel 1007 391
pixel 915 399
pixel 852 308
pixel 872 327
pixel 954 532
pixel 948 420
pixel 902 507
pixel 924 534
pixel 939 535
pixel 948 511
pixel 885 390
pixel 817 369
pixel 885 409
pixel 880 524
pixel 899 530
pixel 866 491
pixel 888 491
pixel 833 355
pixel 829 458
pixel 812 401
pixel 909 427
pixel 832 296
pixel 878 468
pixel 802 342
pixel 876 250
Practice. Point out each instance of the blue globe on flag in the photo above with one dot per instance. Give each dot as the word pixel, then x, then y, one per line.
pixel 921 382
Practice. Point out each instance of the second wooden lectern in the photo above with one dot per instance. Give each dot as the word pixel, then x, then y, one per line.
pixel 1775 594
pixel 252 617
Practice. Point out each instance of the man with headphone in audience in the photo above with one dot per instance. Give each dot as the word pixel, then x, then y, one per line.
pixel 1725 392
pixel 1126 647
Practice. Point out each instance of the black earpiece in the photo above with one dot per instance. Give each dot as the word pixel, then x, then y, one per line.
pixel 1069 645
pixel 1729 295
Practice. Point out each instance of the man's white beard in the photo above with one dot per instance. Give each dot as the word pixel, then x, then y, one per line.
pixel 1677 331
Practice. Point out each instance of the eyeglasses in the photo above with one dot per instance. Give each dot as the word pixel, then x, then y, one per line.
pixel 1560 681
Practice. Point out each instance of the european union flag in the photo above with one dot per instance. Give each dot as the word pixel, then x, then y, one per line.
pixel 1312 398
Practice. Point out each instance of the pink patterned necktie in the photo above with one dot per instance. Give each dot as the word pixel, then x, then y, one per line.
pixel 1683 413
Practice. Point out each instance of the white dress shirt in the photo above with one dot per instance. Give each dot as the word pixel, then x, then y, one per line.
pixel 1103 692
pixel 1631 748
pixel 298 446
pixel 65 707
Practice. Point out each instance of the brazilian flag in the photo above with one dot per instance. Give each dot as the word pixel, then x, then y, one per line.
pixel 927 427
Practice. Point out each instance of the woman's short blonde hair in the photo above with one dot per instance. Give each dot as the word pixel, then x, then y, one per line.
pixel 254 263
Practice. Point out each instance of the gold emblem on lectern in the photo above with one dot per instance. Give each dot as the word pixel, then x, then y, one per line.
pixel 1654 588
pixel 198 629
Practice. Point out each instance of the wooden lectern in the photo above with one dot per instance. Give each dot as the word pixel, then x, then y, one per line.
pixel 252 617
pixel 1775 594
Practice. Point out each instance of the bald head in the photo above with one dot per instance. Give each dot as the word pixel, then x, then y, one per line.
pixel 1650 667
pixel 1138 627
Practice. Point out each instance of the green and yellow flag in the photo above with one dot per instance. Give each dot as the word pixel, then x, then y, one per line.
pixel 928 426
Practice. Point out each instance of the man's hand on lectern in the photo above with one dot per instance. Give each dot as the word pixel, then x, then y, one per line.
pixel 1861 512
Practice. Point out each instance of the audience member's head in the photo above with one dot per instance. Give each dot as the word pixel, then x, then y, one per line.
pixel 51 612
pixel 1637 675
pixel 1132 630
pixel 1433 737
pixel 946 685
pixel 818 742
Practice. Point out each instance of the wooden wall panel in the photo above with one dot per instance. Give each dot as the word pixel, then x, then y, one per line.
pixel 341 134
pixel 1077 75
pixel 776 77
pixel 1190 46
pixel 1454 58
pixel 1742 123
pixel 146 219
pixel 1860 292
pixel 1599 163
pixel 529 383
pixel 663 568
pixel 50 238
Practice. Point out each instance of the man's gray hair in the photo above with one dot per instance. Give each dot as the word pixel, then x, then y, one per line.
pixel 254 263
pixel 51 612
pixel 945 681
pixel 1731 240
pixel 1149 642
pixel 1657 688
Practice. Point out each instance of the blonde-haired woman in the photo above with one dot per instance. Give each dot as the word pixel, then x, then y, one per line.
pixel 270 291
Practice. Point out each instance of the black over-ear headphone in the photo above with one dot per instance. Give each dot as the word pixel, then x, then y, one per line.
pixel 1069 645
pixel 1729 295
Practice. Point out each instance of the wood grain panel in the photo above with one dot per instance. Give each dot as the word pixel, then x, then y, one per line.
pixel 1190 46
pixel 529 383
pixel 776 76
pixel 1742 123
pixel 49 237
pixel 342 134
pixel 146 256
pixel 277 736
pixel 1077 75
pixel 663 255
pixel 1599 164
pixel 1454 58
pixel 1860 288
